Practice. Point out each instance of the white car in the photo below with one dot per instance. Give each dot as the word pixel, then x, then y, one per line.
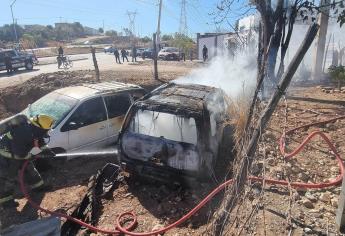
pixel 87 117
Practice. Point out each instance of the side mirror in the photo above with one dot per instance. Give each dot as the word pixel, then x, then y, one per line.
pixel 72 126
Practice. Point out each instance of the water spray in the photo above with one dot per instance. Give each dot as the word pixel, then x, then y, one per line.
pixel 113 152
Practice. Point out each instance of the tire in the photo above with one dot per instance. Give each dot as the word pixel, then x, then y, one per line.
pixel 29 65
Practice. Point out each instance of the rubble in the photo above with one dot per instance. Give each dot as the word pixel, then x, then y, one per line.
pixel 311 197
pixel 307 203
pixel 325 197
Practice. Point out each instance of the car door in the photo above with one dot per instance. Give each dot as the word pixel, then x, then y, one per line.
pixel 16 59
pixel 2 61
pixel 117 107
pixel 87 126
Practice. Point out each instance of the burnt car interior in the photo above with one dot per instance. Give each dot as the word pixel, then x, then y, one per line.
pixel 176 130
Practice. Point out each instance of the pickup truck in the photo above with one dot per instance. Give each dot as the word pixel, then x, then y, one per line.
pixel 19 59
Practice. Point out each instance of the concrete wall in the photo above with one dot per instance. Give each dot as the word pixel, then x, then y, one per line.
pixel 213 44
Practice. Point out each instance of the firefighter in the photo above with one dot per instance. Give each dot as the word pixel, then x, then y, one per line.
pixel 15 148
pixel 205 53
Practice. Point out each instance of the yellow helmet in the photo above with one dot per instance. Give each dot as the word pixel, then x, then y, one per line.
pixel 42 121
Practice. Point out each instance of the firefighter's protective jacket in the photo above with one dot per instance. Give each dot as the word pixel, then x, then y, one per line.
pixel 17 143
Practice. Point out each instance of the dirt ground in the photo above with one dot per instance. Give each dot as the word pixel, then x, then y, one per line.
pixel 309 212
pixel 157 204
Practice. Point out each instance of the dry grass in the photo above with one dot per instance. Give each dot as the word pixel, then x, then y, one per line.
pixel 238 111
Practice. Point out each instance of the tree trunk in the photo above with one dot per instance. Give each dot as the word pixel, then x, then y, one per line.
pixel 248 155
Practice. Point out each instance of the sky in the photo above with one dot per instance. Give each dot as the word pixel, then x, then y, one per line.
pixel 93 13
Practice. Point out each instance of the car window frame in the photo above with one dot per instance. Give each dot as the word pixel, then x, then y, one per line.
pixel 131 99
pixel 70 116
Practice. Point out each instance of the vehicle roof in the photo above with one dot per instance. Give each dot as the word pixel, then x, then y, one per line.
pixel 6 50
pixel 89 90
pixel 180 98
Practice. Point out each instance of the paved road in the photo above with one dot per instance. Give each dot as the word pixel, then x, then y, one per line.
pixel 105 62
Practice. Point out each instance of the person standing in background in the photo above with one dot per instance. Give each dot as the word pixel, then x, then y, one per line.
pixel 117 56
pixel 205 53
pixel 124 55
pixel 134 54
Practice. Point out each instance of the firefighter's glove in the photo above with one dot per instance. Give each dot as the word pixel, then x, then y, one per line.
pixel 46 153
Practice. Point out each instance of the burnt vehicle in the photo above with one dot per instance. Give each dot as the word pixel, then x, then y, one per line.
pixel 178 132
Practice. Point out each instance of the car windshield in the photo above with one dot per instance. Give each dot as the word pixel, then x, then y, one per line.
pixel 53 104
pixel 165 125
pixel 171 50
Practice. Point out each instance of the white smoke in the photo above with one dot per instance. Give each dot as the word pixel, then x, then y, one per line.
pixel 234 76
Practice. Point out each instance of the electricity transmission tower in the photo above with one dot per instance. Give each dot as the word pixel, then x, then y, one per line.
pixel 183 19
pixel 131 17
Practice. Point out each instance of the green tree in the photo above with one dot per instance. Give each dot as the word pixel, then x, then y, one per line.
pixel 182 42
pixel 167 37
pixel 7 32
pixel 78 29
pixel 337 73
pixel 100 30
pixel 146 39
pixel 112 33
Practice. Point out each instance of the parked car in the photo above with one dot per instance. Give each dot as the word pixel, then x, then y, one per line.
pixel 19 59
pixel 147 53
pixel 87 117
pixel 169 54
pixel 177 132
pixel 139 52
pixel 109 49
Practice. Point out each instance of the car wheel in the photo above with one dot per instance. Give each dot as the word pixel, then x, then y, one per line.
pixel 29 65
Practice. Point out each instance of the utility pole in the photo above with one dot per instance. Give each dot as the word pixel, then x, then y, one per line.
pixel 103 28
pixel 94 59
pixel 158 34
pixel 183 19
pixel 155 64
pixel 14 25
pixel 321 40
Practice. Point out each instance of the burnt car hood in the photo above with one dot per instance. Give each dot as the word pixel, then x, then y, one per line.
pixel 160 151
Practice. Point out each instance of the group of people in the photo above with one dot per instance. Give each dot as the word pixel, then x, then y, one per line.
pixel 124 55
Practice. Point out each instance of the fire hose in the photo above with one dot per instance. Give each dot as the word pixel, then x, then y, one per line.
pixel 131 217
